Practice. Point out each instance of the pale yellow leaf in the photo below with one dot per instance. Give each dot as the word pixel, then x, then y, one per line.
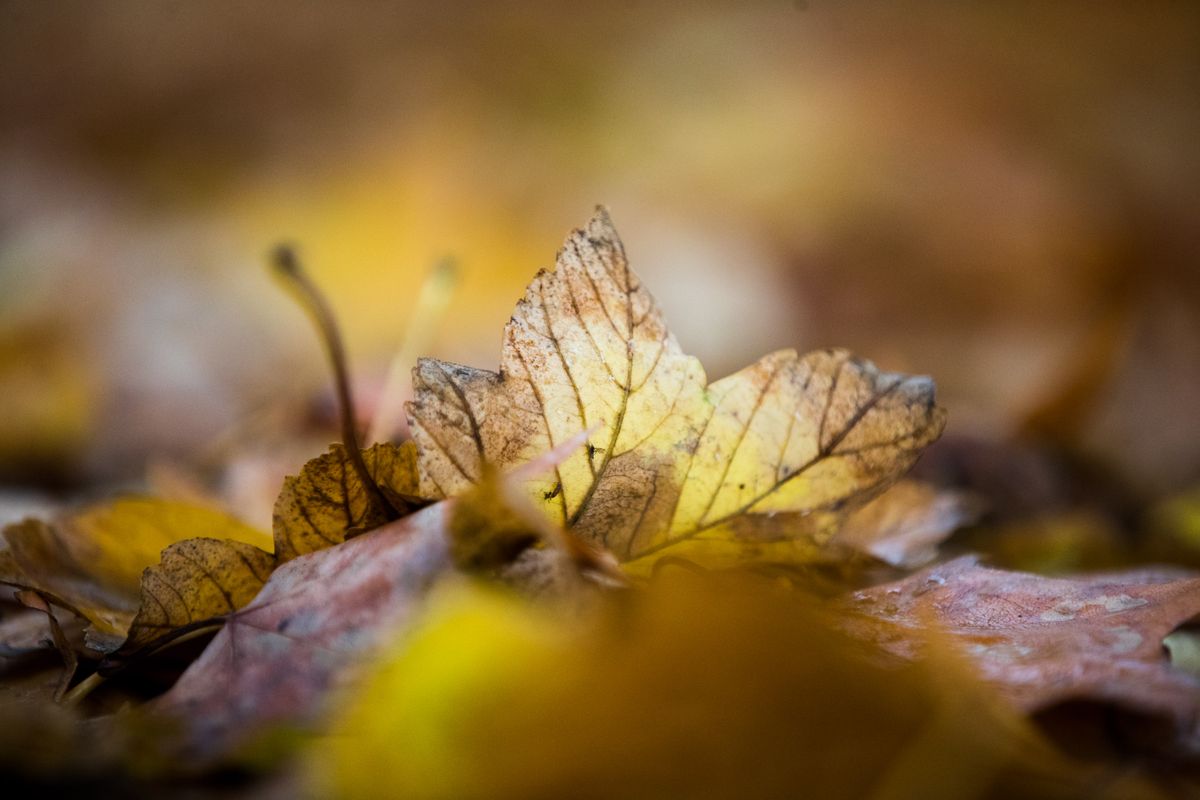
pixel 760 464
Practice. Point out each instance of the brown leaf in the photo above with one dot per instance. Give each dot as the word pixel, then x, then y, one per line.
pixel 23 632
pixel 33 600
pixel 326 503
pixel 319 614
pixel 1043 640
pixel 761 464
pixel 904 525
pixel 91 561
pixel 276 657
pixel 196 580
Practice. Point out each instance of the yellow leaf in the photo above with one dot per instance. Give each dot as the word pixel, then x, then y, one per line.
pixel 760 464
pixel 326 503
pixel 92 561
pixel 196 580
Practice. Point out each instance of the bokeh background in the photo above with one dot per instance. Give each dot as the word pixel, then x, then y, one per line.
pixel 1002 195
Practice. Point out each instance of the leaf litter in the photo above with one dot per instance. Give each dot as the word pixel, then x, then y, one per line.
pixel 552 501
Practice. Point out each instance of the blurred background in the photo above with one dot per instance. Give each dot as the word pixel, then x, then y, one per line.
pixel 1001 195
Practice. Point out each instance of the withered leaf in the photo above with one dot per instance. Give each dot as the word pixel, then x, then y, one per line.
pixel 762 463
pixel 31 599
pixel 196 580
pixel 24 632
pixel 1044 640
pixel 904 526
pixel 201 579
pixel 92 561
pixel 318 614
pixel 326 503
pixel 275 658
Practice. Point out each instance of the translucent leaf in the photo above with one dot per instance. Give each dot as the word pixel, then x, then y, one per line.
pixel 760 464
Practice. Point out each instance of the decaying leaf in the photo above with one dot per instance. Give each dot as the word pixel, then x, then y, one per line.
pixel 202 579
pixel 91 562
pixel 23 632
pixel 275 658
pixel 319 614
pixel 326 503
pixel 33 600
pixel 1043 640
pixel 904 525
pixel 196 580
pixel 759 464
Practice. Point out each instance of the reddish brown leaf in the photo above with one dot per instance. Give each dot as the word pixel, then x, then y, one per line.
pixel 276 657
pixel 1044 640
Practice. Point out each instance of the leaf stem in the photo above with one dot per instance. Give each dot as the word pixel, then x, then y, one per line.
pixel 82 689
pixel 287 266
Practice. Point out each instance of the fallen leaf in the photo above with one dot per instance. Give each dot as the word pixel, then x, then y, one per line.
pixel 91 562
pixel 326 503
pixel 23 632
pixel 1043 641
pixel 201 580
pixel 762 463
pixel 904 525
pixel 275 658
pixel 196 580
pixel 33 600
pixel 319 614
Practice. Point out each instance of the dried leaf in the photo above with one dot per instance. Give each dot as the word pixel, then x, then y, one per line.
pixel 203 579
pixel 326 503
pixel 1046 640
pixel 319 614
pixel 275 658
pixel 33 600
pixel 23 632
pixel 91 562
pixel 759 464
pixel 904 525
pixel 196 580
